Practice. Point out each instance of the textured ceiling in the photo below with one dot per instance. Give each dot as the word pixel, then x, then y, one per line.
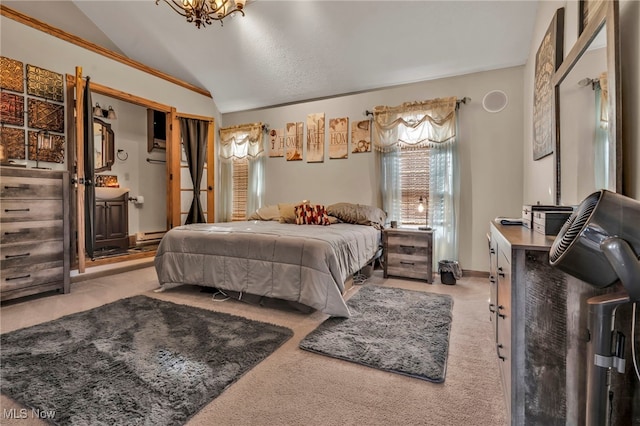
pixel 289 51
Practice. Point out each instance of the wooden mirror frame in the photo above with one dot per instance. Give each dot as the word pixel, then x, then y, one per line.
pixel 607 13
pixel 108 145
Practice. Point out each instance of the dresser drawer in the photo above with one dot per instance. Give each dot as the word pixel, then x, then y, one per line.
pixel 28 210
pixel 26 254
pixel 19 232
pixel 407 243
pixel 32 188
pixel 21 277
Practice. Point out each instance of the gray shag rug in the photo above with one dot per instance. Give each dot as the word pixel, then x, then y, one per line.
pixel 391 329
pixel 132 362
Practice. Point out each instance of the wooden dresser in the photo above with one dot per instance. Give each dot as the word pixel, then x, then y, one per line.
pixel 408 253
pixel 34 238
pixel 539 317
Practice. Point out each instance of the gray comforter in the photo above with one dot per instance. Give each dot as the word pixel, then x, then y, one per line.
pixel 303 263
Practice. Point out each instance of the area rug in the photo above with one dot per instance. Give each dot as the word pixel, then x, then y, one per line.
pixel 135 361
pixel 391 329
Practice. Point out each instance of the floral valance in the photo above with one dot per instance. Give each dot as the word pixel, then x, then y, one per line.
pixel 241 141
pixel 414 124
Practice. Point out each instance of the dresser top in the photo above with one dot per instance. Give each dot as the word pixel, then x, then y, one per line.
pixel 521 237
pixel 31 172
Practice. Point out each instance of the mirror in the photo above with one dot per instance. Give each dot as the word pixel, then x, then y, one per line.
pixel 103 142
pixel 587 107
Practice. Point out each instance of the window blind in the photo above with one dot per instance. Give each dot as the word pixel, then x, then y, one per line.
pixel 240 183
pixel 414 183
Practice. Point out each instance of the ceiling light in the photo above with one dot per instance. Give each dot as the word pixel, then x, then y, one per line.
pixel 203 12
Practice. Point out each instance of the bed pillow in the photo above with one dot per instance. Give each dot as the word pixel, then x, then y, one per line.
pixel 266 213
pixel 307 214
pixel 358 214
pixel 288 211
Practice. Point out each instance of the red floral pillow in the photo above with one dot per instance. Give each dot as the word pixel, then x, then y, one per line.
pixel 307 214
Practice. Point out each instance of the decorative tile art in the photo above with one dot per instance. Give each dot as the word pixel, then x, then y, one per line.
pixel 46 115
pixel 53 155
pixel 44 83
pixel 12 109
pixel 11 74
pixel 13 141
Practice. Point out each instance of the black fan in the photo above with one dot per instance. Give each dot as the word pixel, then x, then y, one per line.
pixel 600 244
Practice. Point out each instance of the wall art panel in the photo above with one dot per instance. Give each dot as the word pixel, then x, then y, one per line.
pixel 315 138
pixel 294 132
pixel 44 83
pixel 548 59
pixel 13 141
pixel 338 138
pixel 12 109
pixel 361 136
pixel 11 74
pixel 46 115
pixel 53 155
pixel 276 143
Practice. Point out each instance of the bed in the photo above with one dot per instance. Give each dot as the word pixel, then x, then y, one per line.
pixel 298 263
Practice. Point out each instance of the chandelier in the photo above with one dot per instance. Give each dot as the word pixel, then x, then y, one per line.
pixel 203 12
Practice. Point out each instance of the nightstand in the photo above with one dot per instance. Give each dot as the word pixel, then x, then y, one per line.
pixel 408 253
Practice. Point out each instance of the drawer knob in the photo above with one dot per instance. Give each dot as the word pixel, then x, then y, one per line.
pixel 407 263
pixel 403 246
pixel 24 231
pixel 17 278
pixel 11 256
pixel 12 187
pixel 500 307
pixel 16 210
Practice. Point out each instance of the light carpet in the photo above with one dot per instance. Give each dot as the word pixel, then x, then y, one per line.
pixel 135 361
pixel 391 329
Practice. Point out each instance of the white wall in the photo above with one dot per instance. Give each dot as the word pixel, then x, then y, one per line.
pixel 490 153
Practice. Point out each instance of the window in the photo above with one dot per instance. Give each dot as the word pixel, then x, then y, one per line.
pixel 414 184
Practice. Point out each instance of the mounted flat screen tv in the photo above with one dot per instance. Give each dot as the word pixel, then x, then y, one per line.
pixel 156 130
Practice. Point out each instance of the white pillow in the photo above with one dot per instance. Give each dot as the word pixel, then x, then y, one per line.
pixel 270 212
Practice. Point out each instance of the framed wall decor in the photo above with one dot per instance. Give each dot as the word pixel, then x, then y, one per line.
pixel 294 132
pixel 13 141
pixel 548 59
pixel 338 138
pixel 11 109
pixel 44 83
pixel 315 138
pixel 276 143
pixel 361 136
pixel 11 74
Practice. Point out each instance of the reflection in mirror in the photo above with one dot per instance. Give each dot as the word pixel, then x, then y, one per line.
pixel 103 142
pixel 588 109
pixel 584 155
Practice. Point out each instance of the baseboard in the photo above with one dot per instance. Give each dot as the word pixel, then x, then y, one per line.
pixel 474 274
pixel 111 269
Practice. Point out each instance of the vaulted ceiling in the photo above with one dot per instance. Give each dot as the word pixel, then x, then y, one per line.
pixel 290 51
